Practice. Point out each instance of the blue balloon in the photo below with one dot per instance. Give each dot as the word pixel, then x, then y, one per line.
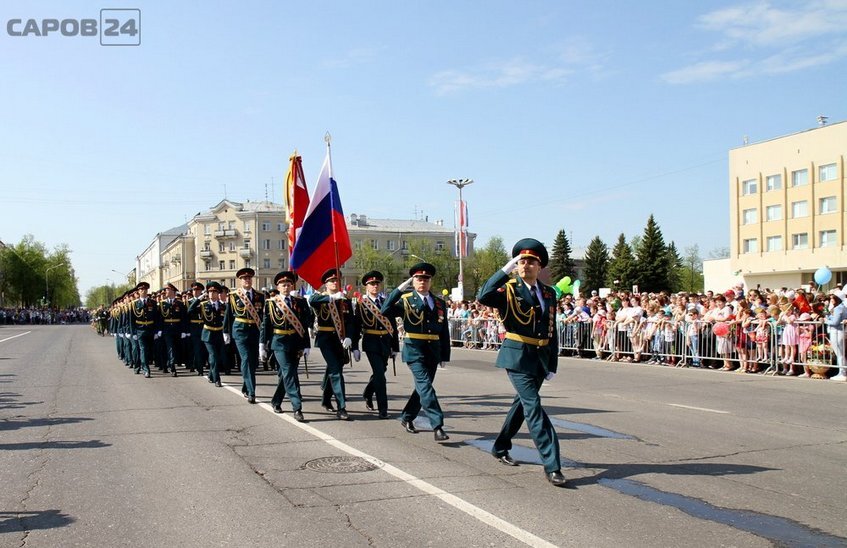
pixel 823 275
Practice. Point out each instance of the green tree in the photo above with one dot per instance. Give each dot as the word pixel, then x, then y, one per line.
pixel 483 263
pixel 596 264
pixel 103 295
pixel 561 264
pixel 367 258
pixel 446 265
pixel 674 268
pixel 692 270
pixel 651 255
pixel 621 273
pixel 28 272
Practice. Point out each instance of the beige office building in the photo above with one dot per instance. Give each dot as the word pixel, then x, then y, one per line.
pixel 787 209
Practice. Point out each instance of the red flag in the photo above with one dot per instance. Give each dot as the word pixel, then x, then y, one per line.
pixel 296 200
pixel 461 222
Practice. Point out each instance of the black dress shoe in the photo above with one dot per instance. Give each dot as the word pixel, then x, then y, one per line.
pixel 146 374
pixel 138 371
pixel 298 416
pixel 439 434
pixel 383 414
pixel 342 415
pixel 506 459
pixel 218 384
pixel 174 373
pixel 211 379
pixel 369 402
pixel 328 407
pixel 409 426
pixel 251 399
pixel 244 394
pixel 556 478
pixel 277 409
pixel 199 373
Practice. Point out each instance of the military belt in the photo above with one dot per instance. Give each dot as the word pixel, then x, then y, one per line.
pixel 196 321
pixel 144 323
pixel 244 320
pixel 324 328
pixel 213 328
pixel 375 332
pixel 284 331
pixel 422 336
pixel 527 340
pixel 172 321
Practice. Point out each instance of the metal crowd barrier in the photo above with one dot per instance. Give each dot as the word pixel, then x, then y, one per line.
pixel 674 343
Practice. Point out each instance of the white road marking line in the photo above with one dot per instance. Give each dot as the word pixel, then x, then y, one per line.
pixel 699 408
pixel 485 517
pixel 16 336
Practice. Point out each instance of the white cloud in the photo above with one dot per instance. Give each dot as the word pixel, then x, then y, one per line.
pixel 770 40
pixel 563 62
pixel 352 58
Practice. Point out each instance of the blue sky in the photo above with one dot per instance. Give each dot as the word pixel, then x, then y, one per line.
pixel 583 116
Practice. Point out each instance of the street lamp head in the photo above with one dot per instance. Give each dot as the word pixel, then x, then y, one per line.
pixel 460 183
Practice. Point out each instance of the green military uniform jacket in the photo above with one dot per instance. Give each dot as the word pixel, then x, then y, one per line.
pixel 427 331
pixel 532 343
pixel 278 331
pixel 375 337
pixel 213 320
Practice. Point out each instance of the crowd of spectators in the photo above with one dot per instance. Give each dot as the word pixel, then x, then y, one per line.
pixel 43 316
pixel 783 331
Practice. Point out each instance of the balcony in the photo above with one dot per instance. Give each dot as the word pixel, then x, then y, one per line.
pixel 206 253
pixel 225 234
pixel 245 253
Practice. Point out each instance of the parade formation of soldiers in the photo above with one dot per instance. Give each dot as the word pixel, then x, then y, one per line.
pixel 243 328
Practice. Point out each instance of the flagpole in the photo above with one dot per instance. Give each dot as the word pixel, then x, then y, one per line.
pixel 328 140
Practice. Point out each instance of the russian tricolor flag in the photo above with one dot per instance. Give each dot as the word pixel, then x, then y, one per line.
pixel 323 242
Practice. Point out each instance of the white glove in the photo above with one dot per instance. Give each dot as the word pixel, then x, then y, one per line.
pixel 185 335
pixel 405 285
pixel 357 355
pixel 306 352
pixel 227 338
pixel 549 376
pixel 135 337
pixel 263 354
pixel 157 335
pixel 510 266
pixel 347 343
pixel 336 296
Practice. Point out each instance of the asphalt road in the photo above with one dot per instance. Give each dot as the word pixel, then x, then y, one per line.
pixel 92 455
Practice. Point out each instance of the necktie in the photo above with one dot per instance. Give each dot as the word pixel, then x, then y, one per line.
pixel 534 290
pixel 429 301
pixel 379 302
pixel 288 302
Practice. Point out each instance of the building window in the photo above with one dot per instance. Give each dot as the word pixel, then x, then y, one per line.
pixel 232 225
pixel 232 246
pixel 826 173
pixel 773 213
pixel 281 263
pixel 280 227
pixel 439 245
pixel 827 238
pixel 222 265
pixel 800 241
pixel 774 243
pixel 266 263
pixel 800 177
pixel 221 225
pixel 207 246
pixel 391 245
pixel 799 209
pixel 748 187
pixel 750 245
pixel 247 263
pixel 247 226
pixel 232 264
pixel 266 245
pixel 357 245
pixel 826 205
pixel 246 244
pixel 266 227
pixel 221 247
pixel 281 244
pixel 207 230
pixel 375 244
pixel 749 216
pixel 405 245
pixel 773 182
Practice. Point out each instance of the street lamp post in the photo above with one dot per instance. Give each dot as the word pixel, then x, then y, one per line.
pixel 460 184
pixel 47 282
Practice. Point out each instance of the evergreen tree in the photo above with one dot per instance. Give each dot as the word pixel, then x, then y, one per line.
pixel 596 264
pixel 561 264
pixel 652 259
pixel 674 268
pixel 622 267
pixel 483 263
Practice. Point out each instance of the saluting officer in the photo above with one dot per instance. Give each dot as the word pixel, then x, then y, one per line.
pixel 143 317
pixel 529 352
pixel 211 312
pixel 285 329
pixel 242 323
pixel 335 336
pixel 379 339
pixel 195 327
pixel 427 344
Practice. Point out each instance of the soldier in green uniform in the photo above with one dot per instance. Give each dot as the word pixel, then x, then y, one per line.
pixel 143 316
pixel 336 335
pixel 427 344
pixel 211 312
pixel 529 352
pixel 285 330
pixel 379 340
pixel 195 331
pixel 242 323
pixel 173 323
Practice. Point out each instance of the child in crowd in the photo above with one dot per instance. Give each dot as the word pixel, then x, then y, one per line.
pixel 805 332
pixel 789 339
pixel 763 335
pixel 692 335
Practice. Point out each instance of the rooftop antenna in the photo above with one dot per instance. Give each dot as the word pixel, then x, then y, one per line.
pixel 822 120
pixel 224 191
pixel 272 189
pixel 266 190
pixel 746 140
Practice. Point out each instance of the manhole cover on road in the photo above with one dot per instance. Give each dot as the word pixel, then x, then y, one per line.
pixel 340 465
